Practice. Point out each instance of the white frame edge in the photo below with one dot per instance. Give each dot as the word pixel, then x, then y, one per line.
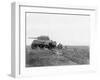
pixel 15 36
pixel 15 40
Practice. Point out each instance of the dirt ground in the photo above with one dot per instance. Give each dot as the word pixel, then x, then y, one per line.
pixel 70 55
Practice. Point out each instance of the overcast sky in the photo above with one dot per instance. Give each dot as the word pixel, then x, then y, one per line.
pixel 65 29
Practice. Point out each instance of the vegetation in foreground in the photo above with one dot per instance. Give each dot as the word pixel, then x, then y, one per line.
pixel 70 55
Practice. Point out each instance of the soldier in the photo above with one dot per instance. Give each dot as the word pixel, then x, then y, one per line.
pixel 59 46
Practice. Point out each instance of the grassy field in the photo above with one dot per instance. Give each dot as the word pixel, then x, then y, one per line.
pixel 71 55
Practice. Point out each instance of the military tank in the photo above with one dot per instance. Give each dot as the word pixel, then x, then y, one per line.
pixel 43 42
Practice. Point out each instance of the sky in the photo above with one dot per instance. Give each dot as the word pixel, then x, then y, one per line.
pixel 65 29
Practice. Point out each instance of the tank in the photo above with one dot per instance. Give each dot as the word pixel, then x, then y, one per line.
pixel 43 42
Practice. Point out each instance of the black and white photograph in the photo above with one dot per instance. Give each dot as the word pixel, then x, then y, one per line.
pixel 52 39
pixel 57 39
